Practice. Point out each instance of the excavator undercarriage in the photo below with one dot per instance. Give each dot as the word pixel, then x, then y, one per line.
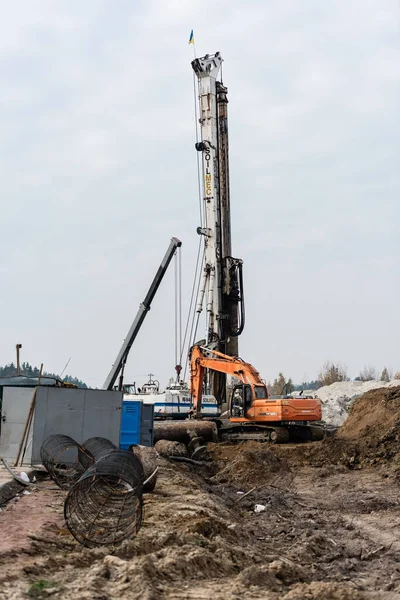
pixel 275 434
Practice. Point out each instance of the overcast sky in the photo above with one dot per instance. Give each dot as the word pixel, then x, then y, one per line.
pixel 98 172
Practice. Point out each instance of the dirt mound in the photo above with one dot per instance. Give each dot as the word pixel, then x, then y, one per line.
pixel 322 591
pixel 338 397
pixel 248 464
pixel 273 575
pixel 369 437
pixel 373 428
pixel 372 416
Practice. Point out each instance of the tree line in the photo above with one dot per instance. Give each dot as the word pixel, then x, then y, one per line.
pixel 30 371
pixel 330 373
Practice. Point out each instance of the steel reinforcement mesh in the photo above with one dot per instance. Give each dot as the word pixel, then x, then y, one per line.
pixel 60 456
pixel 105 505
pixel 93 449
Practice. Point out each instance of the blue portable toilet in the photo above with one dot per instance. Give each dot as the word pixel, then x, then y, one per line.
pixel 137 422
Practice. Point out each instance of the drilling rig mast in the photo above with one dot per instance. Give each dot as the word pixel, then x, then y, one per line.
pixel 222 282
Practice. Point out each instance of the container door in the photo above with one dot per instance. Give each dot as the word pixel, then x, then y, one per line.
pixel 15 408
pixel 147 424
pixel 130 424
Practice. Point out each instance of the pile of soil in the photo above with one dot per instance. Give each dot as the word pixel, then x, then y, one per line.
pixel 373 426
pixel 372 416
pixel 338 397
pixel 247 464
pixel 369 437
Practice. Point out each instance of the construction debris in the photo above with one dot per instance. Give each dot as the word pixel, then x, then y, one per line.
pixel 19 476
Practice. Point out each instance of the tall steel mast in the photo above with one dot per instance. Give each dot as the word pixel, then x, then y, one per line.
pixel 221 282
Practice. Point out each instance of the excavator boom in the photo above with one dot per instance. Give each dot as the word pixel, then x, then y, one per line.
pixel 203 358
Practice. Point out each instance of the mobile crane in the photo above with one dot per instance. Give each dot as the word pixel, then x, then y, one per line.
pixel 252 413
pixel 120 362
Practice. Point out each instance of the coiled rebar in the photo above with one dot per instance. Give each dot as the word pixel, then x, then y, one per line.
pixel 105 505
pixel 59 455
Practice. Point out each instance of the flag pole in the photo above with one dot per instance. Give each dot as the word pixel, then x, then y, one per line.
pixel 191 42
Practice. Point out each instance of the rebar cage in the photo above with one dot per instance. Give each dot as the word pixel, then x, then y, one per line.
pixel 105 505
pixel 60 456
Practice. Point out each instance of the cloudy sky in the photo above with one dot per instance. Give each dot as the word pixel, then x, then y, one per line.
pixel 98 172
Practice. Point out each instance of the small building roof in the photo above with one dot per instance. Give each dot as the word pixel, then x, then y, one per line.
pixel 24 381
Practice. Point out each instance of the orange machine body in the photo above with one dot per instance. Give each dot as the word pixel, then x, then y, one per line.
pixel 273 410
pixel 258 406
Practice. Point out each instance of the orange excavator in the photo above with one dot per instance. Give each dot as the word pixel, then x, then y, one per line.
pixel 252 413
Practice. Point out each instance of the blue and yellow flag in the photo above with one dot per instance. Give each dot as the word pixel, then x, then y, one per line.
pixel 191 38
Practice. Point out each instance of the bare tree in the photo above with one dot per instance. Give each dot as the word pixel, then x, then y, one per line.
pixel 331 373
pixel 396 375
pixel 368 374
pixel 281 386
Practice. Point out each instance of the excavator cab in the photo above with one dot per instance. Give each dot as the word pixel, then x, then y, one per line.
pixel 246 398
pixel 241 400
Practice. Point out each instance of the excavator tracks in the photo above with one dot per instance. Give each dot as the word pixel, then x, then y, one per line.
pixel 273 435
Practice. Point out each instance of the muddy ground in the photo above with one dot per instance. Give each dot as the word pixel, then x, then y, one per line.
pixel 328 526
pixel 327 532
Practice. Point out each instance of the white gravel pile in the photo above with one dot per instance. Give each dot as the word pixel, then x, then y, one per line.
pixel 337 398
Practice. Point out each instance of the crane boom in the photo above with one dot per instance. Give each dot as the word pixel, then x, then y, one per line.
pixel 141 315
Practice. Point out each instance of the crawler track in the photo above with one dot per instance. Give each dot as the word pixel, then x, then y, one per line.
pixel 280 434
